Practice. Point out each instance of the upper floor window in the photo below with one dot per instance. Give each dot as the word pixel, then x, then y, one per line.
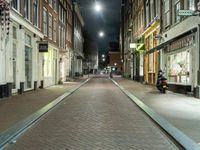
pixel 55 5
pixel 35 11
pixel 16 4
pixel 54 30
pixel 147 12
pixel 167 13
pixel 45 21
pixel 50 2
pixel 177 7
pixel 191 4
pixel 50 26
pixel 152 9
pixel 27 9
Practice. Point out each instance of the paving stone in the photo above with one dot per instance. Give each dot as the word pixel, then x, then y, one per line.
pixel 96 117
pixel 18 107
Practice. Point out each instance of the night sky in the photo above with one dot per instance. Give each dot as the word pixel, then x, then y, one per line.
pixel 108 20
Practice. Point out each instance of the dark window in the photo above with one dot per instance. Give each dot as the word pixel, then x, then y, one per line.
pixel 35 9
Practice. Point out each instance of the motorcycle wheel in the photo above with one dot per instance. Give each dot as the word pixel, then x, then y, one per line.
pixel 164 91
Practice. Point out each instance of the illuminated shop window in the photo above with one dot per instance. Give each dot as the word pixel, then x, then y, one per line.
pixel 179 67
pixel 48 57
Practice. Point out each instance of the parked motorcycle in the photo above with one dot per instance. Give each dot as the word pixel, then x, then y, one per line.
pixel 162 84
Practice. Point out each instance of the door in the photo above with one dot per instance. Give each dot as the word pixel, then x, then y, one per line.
pixel 55 66
pixel 14 60
pixel 28 67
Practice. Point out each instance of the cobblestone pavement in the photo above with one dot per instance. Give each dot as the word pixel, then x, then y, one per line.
pixel 181 110
pixel 96 117
pixel 18 107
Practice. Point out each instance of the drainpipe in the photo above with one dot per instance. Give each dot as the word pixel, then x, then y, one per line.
pixel 197 92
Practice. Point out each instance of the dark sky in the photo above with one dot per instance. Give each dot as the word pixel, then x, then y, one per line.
pixel 108 20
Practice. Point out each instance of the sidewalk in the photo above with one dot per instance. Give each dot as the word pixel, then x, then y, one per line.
pixel 181 110
pixel 18 107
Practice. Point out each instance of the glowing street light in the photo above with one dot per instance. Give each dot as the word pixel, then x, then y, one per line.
pixel 103 56
pixel 98 7
pixel 101 34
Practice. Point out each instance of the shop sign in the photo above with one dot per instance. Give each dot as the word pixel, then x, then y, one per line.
pixel 43 47
pixel 181 43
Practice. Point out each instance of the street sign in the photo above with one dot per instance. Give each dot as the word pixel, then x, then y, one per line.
pixel 186 13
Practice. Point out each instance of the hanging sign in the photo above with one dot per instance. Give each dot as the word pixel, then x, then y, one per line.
pixel 43 47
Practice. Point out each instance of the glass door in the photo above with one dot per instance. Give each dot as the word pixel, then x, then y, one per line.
pixel 14 65
pixel 28 67
pixel 14 60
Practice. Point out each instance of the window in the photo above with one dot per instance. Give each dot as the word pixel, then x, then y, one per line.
pixel 55 5
pixel 14 32
pixel 64 38
pixel 167 13
pixel 59 32
pixel 45 21
pixel 54 30
pixel 147 12
pixel 15 4
pixel 59 12
pixel 50 26
pixel 35 12
pixel 191 4
pixel 27 9
pixel 50 3
pixel 14 57
pixel 28 40
pixel 178 67
pixel 152 10
pixel 177 7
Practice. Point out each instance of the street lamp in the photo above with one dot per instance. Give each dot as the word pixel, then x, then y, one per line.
pixel 101 34
pixel 98 7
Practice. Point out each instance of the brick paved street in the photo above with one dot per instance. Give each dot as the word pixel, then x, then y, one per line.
pixel 180 110
pixel 96 117
pixel 18 107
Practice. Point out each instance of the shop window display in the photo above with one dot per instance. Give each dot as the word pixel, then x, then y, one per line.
pixel 178 67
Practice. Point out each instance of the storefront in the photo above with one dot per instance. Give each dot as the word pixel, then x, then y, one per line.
pixel 180 63
pixel 138 61
pixel 151 60
pixel 51 66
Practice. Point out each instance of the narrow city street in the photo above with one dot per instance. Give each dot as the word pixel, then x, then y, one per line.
pixel 97 116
